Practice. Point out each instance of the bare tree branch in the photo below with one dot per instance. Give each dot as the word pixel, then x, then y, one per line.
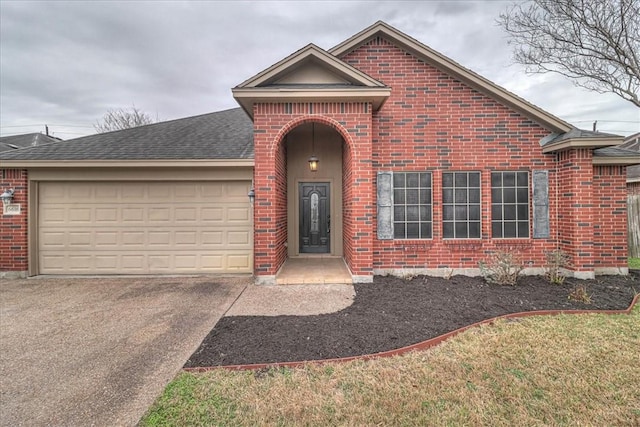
pixel 120 118
pixel 596 43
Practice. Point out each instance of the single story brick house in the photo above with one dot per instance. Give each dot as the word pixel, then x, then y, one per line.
pixel 421 165
pixel 632 143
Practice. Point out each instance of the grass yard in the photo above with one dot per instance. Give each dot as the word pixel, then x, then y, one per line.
pixel 634 263
pixel 550 370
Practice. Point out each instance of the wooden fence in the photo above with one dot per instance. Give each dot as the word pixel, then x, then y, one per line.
pixel 633 224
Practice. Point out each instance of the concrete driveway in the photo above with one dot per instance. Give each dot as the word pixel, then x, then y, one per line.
pixel 96 351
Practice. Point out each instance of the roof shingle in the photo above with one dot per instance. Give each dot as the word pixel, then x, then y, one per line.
pixel 221 135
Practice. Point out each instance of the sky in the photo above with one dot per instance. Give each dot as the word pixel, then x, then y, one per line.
pixel 64 64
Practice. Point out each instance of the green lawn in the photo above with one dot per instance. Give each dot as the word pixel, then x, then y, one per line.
pixel 549 370
pixel 634 263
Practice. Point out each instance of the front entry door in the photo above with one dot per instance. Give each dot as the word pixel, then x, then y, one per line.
pixel 315 219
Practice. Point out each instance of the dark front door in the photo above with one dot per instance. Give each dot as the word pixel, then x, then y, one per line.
pixel 315 220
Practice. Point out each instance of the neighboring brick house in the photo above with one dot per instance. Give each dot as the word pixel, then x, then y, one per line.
pixel 632 144
pixel 423 166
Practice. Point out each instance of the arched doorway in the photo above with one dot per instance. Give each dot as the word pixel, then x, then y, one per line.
pixel 314 203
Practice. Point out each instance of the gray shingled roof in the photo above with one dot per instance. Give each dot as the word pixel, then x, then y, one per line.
pixel 573 134
pixel 614 152
pixel 629 148
pixel 14 142
pixel 220 135
pixel 632 143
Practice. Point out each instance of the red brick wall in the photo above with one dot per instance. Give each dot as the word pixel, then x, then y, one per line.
pixel 610 222
pixel 576 214
pixel 432 122
pixel 272 122
pixel 13 228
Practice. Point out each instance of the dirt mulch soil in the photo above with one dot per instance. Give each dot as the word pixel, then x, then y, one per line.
pixel 392 312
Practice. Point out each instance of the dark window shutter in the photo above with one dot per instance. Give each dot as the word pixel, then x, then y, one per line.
pixel 385 205
pixel 540 204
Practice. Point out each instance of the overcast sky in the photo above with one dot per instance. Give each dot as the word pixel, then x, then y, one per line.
pixel 66 63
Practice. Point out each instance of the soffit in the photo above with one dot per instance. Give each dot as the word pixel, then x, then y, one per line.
pixel 591 143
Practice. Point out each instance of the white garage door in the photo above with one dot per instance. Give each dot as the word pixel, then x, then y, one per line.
pixel 144 227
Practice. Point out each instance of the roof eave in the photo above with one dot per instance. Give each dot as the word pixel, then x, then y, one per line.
pixel 451 67
pixel 617 161
pixel 177 163
pixel 581 143
pixel 247 97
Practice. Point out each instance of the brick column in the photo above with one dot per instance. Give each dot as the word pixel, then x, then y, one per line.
pixel 13 228
pixel 610 225
pixel 576 209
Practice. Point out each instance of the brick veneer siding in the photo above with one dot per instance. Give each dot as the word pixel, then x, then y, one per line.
pixel 576 214
pixel 272 122
pixel 432 122
pixel 13 228
pixel 610 222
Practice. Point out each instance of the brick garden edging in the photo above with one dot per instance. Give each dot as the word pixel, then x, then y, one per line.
pixel 424 345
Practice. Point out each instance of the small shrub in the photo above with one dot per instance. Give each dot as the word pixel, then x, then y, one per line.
pixel 580 294
pixel 503 268
pixel 556 261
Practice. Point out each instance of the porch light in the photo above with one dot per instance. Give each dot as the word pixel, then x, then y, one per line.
pixel 313 163
pixel 313 160
pixel 252 195
pixel 7 196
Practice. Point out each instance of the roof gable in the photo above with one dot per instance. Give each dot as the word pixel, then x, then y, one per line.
pixel 449 66
pixel 310 74
pixel 305 65
pixel 311 71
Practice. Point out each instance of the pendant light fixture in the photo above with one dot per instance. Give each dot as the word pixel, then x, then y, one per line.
pixel 313 160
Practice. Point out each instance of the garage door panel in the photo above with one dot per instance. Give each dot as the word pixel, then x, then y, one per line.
pixel 80 191
pixel 106 215
pixel 134 263
pixel 82 239
pixel 158 214
pixel 53 239
pixel 133 192
pixel 135 214
pixel 105 193
pixel 127 239
pixel 144 228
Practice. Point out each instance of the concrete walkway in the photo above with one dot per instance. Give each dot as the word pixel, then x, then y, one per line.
pixel 294 300
pixel 314 269
pixel 98 352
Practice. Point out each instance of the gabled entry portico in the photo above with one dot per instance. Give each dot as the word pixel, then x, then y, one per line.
pixel 312 101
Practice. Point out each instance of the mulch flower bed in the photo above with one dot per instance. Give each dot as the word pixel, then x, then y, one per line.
pixel 393 312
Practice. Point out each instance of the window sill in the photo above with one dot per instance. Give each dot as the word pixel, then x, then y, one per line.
pixel 508 244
